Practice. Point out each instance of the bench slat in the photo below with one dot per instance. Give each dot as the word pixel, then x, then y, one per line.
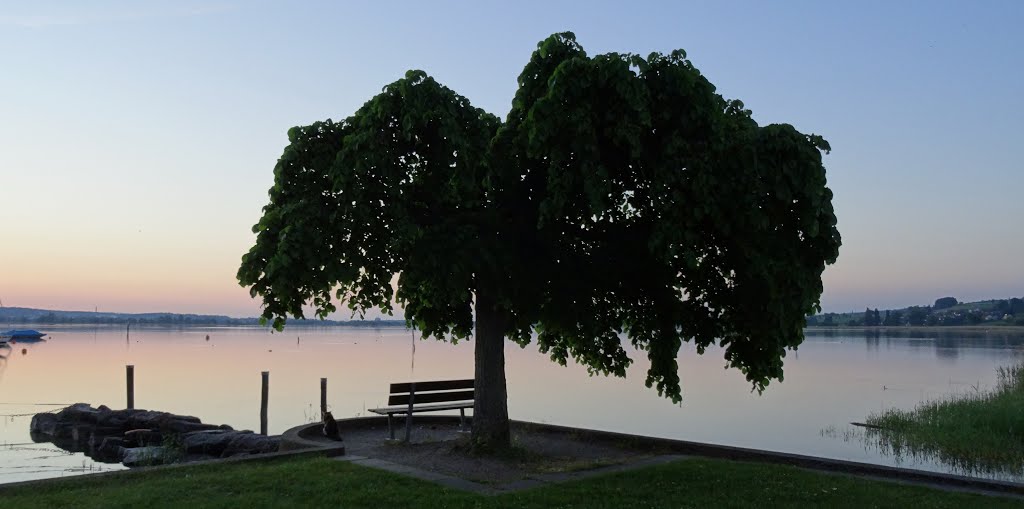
pixel 437 385
pixel 402 409
pixel 430 397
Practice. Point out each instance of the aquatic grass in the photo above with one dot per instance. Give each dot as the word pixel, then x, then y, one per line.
pixel 975 432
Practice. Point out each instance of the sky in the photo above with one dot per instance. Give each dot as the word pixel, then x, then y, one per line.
pixel 138 139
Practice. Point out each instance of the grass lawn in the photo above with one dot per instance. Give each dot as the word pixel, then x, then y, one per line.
pixel 322 482
pixel 978 432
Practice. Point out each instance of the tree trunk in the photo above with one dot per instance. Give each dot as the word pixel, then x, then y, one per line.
pixel 490 408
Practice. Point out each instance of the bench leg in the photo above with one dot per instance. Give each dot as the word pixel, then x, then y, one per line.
pixel 408 426
pixel 462 419
pixel 391 427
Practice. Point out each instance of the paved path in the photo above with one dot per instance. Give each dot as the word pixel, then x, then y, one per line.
pixel 532 481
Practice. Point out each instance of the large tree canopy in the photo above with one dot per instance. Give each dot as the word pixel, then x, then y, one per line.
pixel 621 197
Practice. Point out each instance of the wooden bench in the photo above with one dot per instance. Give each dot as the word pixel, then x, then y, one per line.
pixel 411 397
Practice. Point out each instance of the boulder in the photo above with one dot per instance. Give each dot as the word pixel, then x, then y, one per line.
pixel 148 456
pixel 144 418
pixel 79 413
pixel 80 434
pixel 251 443
pixel 171 424
pixel 113 419
pixel 212 442
pixel 98 435
pixel 110 450
pixel 44 424
pixel 143 437
pixel 66 443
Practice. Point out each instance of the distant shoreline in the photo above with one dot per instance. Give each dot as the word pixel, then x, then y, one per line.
pixel 303 324
pixel 920 328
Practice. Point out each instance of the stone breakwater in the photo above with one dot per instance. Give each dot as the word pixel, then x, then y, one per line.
pixel 144 437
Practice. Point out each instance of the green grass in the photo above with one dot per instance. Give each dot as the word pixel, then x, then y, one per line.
pixel 980 432
pixel 322 482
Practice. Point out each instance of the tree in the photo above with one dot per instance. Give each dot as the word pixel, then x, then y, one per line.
pixel 869 318
pixel 944 303
pixel 917 315
pixel 876 318
pixel 974 317
pixel 1016 306
pixel 893 318
pixel 622 196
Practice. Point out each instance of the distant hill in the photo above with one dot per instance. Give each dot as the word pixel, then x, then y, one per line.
pixel 10 315
pixel 945 311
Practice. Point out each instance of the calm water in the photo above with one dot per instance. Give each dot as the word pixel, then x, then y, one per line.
pixel 832 380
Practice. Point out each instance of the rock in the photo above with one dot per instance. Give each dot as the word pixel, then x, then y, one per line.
pixel 43 424
pixel 107 431
pixel 114 419
pixel 110 450
pixel 143 437
pixel 66 443
pixel 147 456
pixel 144 418
pixel 47 426
pixel 79 413
pixel 251 443
pixel 170 424
pixel 207 442
pixel 80 434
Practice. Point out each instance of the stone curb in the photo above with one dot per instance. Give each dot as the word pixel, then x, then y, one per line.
pixel 255 458
pixel 697 449
pixel 665 449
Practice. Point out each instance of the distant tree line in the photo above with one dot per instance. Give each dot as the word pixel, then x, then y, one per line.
pixel 946 311
pixel 179 320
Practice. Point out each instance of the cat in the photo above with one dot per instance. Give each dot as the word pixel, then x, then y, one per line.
pixel 331 427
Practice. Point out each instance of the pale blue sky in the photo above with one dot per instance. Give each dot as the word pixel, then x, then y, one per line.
pixel 137 140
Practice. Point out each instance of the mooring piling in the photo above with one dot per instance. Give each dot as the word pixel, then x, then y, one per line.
pixel 263 402
pixel 323 398
pixel 130 375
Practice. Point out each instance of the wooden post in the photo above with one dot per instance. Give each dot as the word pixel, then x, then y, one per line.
pixel 323 398
pixel 130 374
pixel 263 402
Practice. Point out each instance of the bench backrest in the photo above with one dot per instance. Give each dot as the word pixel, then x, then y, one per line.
pixel 438 391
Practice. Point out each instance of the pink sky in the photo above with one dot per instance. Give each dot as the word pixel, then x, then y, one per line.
pixel 138 141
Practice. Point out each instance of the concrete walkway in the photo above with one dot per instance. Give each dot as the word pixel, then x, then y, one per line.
pixel 427 458
pixel 532 481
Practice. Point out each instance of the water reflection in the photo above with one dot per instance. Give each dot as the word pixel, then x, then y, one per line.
pixel 950 349
pixel 904 451
pixel 945 343
pixel 836 378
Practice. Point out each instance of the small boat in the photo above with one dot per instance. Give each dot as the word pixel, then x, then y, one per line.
pixel 21 334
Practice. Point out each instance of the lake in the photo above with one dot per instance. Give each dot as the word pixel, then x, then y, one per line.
pixel 834 378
